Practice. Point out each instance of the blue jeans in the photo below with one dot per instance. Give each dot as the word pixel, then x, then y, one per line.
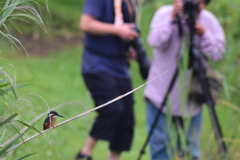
pixel 162 142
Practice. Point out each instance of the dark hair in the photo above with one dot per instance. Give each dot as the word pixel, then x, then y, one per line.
pixel 207 2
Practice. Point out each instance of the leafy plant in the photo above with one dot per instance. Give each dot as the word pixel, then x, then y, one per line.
pixel 8 99
pixel 10 122
pixel 21 10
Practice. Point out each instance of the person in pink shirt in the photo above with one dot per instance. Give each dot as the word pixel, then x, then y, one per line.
pixel 167 54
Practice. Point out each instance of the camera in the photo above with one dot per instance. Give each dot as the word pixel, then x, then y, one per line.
pixel 190 8
pixel 142 58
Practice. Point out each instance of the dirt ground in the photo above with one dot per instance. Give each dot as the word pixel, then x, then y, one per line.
pixel 39 47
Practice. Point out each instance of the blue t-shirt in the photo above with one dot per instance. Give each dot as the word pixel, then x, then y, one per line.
pixel 105 53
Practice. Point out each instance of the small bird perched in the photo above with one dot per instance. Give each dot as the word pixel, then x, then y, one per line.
pixel 50 120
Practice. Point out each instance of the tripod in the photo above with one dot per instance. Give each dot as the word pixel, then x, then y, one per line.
pixel 200 70
pixel 195 63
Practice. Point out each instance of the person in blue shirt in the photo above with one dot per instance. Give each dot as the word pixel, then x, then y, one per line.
pixel 106 74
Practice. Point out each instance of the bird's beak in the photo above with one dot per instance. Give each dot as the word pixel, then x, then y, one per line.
pixel 60 116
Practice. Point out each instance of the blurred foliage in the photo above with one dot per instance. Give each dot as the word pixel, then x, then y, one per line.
pixel 12 105
pixel 60 17
pixel 227 14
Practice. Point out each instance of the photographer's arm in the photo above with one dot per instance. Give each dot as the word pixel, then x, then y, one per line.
pixel 91 25
pixel 213 40
pixel 161 28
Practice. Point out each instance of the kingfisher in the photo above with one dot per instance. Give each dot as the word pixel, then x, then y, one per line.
pixel 50 120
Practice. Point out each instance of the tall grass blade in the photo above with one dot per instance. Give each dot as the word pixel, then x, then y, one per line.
pixel 23 157
pixel 14 91
pixel 8 119
pixel 8 90
pixel 4 84
pixel 7 10
pixel 3 92
pixel 16 27
pixel 229 105
pixel 3 151
pixel 226 90
pixel 32 17
pixel 18 133
pixel 12 39
pixel 29 126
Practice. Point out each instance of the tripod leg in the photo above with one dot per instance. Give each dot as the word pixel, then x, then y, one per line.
pixel 217 130
pixel 209 100
pixel 158 114
pixel 149 134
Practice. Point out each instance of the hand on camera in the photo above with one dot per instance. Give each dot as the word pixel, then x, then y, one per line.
pixel 177 8
pixel 131 53
pixel 200 28
pixel 126 32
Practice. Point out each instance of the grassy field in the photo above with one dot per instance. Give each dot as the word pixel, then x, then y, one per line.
pixel 55 80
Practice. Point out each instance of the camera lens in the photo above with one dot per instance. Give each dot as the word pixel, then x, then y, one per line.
pixel 190 8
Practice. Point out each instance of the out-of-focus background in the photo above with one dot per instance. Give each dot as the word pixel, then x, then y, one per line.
pixel 50 71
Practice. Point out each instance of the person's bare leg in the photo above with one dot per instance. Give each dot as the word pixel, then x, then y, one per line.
pixel 89 145
pixel 114 155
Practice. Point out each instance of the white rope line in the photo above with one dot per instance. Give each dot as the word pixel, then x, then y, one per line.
pixel 87 112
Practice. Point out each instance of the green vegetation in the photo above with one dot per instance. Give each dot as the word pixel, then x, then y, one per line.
pixel 11 104
pixel 54 80
pixel 60 18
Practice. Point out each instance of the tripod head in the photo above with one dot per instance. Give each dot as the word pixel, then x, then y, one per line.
pixel 190 12
pixel 190 8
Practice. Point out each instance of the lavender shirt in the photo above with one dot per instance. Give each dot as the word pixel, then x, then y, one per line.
pixel 167 44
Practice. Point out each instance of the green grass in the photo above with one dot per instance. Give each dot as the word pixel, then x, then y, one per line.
pixel 56 78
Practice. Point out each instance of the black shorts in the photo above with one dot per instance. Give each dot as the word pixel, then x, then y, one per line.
pixel 115 122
